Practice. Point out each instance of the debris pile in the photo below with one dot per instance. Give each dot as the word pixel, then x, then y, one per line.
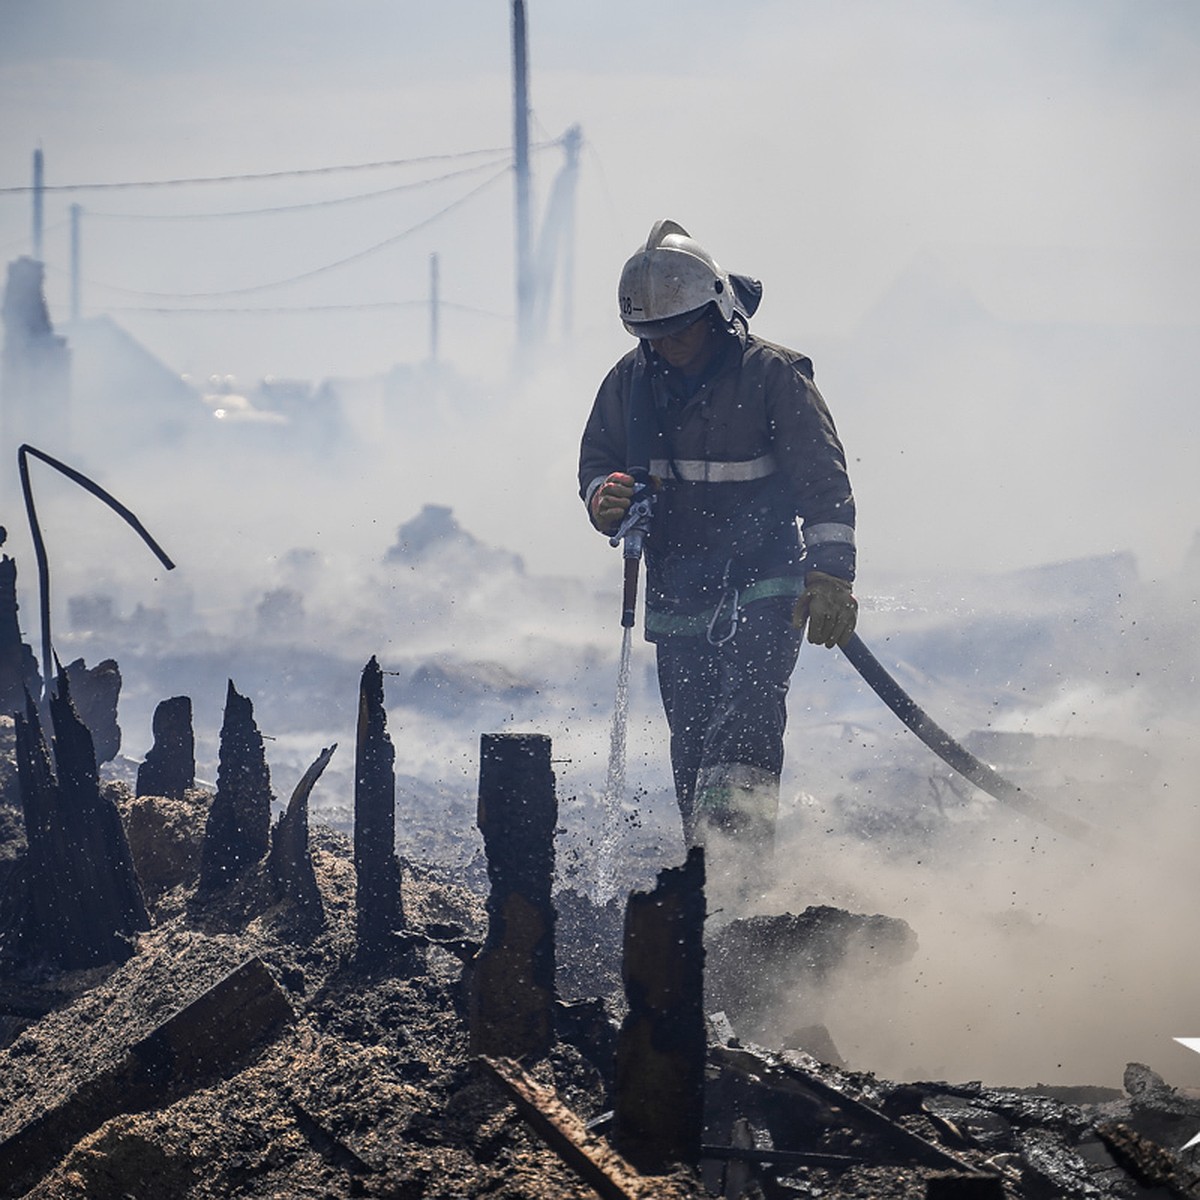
pixel 265 1010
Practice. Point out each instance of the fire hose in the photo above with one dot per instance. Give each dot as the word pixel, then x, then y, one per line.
pixel 633 530
pixel 953 753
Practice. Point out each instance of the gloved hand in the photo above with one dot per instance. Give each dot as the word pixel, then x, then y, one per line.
pixel 610 501
pixel 829 607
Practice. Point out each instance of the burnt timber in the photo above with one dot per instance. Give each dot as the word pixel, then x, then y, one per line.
pixel 372 1089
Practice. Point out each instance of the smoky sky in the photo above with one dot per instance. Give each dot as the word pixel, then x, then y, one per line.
pixel 1041 159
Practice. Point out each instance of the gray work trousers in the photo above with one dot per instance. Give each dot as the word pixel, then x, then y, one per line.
pixel 726 709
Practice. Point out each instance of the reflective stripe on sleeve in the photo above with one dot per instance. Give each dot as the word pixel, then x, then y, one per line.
pixel 828 531
pixel 697 470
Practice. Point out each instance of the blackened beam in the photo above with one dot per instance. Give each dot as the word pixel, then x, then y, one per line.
pixel 198 1044
pixel 787 1158
pixel 586 1153
pixel 788 1074
pixel 169 768
pixel 84 901
pixel 332 1149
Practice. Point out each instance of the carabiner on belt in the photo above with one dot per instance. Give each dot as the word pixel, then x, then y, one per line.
pixel 728 603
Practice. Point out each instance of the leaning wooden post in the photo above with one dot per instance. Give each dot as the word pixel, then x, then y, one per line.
pixel 379 906
pixel 511 981
pixel 662 1044
pixel 289 862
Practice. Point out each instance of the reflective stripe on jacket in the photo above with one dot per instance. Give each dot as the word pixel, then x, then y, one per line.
pixel 749 450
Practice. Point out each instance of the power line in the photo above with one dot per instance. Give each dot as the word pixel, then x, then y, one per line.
pixel 283 208
pixel 363 306
pixel 341 262
pixel 293 174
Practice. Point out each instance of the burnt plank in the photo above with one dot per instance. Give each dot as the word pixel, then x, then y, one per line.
pixel 587 1154
pixel 200 1043
pixel 791 1073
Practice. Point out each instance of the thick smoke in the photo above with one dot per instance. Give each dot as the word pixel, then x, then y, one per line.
pixel 1042 957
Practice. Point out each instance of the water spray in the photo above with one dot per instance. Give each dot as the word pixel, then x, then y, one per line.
pixel 632 531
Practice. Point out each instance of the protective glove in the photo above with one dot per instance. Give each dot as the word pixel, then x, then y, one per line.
pixel 610 501
pixel 829 608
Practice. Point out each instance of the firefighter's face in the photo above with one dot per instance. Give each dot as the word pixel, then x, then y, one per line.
pixel 687 350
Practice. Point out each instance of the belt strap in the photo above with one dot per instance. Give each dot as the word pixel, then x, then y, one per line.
pixel 676 625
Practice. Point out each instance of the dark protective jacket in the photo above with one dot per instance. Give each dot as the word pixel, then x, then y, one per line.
pixel 740 453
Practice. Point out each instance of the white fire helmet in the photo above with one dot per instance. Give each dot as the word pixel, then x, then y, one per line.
pixel 669 282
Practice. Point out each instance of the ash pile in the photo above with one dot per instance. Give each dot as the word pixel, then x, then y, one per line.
pixel 198 1001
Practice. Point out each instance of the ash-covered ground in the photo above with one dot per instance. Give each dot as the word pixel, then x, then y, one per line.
pixel 368 1089
pixel 1034 959
pixel 1041 958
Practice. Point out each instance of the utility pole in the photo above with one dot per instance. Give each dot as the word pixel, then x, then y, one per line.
pixel 525 283
pixel 434 301
pixel 572 140
pixel 76 213
pixel 556 241
pixel 38 196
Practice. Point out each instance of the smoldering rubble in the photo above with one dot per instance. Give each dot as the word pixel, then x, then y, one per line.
pixel 234 1006
pixel 389 981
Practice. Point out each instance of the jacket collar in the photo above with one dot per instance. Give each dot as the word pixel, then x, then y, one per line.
pixel 727 357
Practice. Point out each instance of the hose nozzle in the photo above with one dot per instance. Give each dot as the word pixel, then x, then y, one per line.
pixel 632 531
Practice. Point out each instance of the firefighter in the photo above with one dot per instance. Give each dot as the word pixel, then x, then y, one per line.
pixel 738 443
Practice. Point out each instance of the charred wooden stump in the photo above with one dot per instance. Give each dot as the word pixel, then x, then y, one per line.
pixel 239 822
pixel 18 666
pixel 289 864
pixel 83 900
pixel 662 1044
pixel 169 768
pixel 511 984
pixel 206 1039
pixel 95 692
pixel 380 908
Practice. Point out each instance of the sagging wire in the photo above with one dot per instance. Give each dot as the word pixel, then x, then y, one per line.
pixel 293 174
pixel 412 185
pixel 39 543
pixel 287 309
pixel 341 262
